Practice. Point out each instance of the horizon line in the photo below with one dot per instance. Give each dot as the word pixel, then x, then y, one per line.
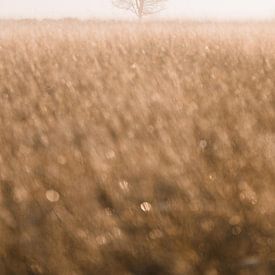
pixel 133 18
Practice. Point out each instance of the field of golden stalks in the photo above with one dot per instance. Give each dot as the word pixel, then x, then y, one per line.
pixel 135 149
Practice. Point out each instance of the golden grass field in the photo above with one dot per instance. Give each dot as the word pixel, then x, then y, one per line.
pixel 135 149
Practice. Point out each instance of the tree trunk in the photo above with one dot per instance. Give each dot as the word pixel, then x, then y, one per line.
pixel 140 9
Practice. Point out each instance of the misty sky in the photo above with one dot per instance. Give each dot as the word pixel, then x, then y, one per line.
pixel 221 9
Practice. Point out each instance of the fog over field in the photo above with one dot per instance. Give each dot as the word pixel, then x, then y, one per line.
pixel 226 9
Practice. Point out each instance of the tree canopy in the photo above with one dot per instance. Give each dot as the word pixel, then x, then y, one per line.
pixel 140 8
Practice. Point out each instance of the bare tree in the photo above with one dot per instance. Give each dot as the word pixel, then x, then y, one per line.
pixel 140 7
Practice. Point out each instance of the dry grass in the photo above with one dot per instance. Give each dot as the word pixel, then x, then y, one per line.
pixel 137 149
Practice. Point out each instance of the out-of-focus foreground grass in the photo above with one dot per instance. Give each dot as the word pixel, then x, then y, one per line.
pixel 137 148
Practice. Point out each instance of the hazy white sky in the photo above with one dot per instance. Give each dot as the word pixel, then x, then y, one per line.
pixel 103 8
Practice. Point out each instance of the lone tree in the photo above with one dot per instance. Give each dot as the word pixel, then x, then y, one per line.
pixel 140 7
